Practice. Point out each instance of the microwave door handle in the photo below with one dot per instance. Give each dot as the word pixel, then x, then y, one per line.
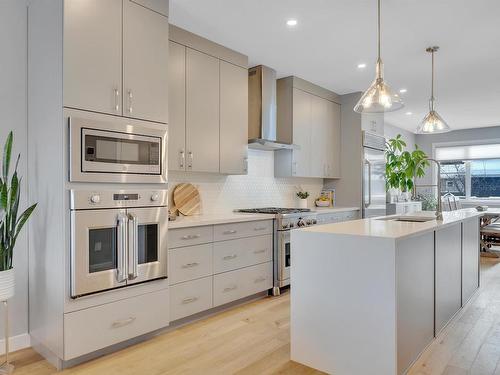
pixel 133 243
pixel 121 274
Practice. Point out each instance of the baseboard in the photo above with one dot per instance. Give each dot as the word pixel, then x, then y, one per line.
pixel 18 342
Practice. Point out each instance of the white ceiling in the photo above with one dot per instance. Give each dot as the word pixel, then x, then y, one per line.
pixel 333 36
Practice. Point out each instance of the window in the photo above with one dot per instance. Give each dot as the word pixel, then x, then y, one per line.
pixel 470 171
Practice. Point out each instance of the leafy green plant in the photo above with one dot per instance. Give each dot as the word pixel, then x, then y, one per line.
pixel 10 223
pixel 303 194
pixel 402 164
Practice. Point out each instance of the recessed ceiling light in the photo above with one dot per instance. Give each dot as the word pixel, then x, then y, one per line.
pixel 409 113
pixel 402 91
pixel 291 22
pixel 361 66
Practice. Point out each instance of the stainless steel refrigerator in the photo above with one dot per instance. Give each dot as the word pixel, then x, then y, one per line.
pixel 374 190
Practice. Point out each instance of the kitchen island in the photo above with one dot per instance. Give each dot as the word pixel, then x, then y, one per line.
pixel 370 295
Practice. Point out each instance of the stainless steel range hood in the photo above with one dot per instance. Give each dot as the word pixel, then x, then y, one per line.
pixel 262 112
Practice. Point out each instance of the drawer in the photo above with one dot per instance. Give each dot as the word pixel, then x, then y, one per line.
pixel 190 236
pixel 95 328
pixel 258 278
pixel 190 298
pixel 243 252
pixel 189 263
pixel 233 285
pixel 238 230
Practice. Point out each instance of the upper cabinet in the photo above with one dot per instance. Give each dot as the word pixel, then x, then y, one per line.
pixel 308 117
pixel 116 58
pixel 208 106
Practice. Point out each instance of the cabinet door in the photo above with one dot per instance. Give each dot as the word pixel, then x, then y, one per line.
pixel 333 140
pixel 470 258
pixel 233 118
pixel 302 113
pixel 93 55
pixel 448 274
pixel 202 112
pixel 177 107
pixel 145 63
pixel 319 127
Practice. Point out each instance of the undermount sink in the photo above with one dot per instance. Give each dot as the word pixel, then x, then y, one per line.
pixel 410 219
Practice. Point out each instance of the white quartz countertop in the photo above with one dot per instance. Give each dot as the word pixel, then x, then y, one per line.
pixel 374 227
pixel 332 210
pixel 214 219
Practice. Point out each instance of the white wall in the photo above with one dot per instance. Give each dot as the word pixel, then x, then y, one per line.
pixel 259 188
pixel 13 62
pixel 391 131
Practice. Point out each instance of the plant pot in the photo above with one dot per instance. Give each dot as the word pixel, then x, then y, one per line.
pixel 405 196
pixel 302 203
pixel 6 284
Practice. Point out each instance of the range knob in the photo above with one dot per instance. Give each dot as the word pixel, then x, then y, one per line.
pixel 308 222
pixel 301 223
pixel 95 198
pixel 292 225
pixel 155 197
pixel 314 221
pixel 285 225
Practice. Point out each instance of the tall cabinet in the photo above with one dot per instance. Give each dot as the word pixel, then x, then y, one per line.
pixel 308 117
pixel 208 101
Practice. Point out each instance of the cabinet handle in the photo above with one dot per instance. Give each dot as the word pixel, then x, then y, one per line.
pixel 230 231
pixel 190 265
pixel 245 164
pixel 189 300
pixel 130 96
pixel 122 323
pixel 260 279
pixel 191 158
pixel 261 251
pixel 230 288
pixel 229 257
pixel 260 228
pixel 117 96
pixel 190 237
pixel 183 159
pixel 294 167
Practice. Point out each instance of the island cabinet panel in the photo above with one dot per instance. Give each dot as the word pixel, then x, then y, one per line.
pixel 448 274
pixel 415 297
pixel 470 258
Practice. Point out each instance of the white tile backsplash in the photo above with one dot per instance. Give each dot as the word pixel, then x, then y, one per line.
pixel 221 194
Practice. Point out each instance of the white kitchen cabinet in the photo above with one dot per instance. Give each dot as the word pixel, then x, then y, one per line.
pixel 177 107
pixel 92 55
pixel 202 112
pixel 233 119
pixel 145 62
pixel 309 118
pixel 448 269
pixel 470 258
pixel 190 298
pixel 116 59
pixel 159 6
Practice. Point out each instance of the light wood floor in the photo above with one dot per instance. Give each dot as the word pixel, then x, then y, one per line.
pixel 254 339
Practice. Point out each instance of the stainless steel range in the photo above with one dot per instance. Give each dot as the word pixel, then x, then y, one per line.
pixel 286 219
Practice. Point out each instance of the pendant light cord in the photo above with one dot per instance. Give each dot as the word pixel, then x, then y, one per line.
pixel 378 25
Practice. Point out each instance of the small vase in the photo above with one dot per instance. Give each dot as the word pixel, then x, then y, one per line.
pixel 6 284
pixel 302 203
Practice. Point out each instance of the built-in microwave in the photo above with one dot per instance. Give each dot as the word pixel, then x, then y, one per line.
pixel 117 150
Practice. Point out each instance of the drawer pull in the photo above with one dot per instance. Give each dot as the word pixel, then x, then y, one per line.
pixel 230 288
pixel 189 300
pixel 260 279
pixel 123 323
pixel 260 228
pixel 259 251
pixel 229 257
pixel 190 237
pixel 190 265
pixel 230 231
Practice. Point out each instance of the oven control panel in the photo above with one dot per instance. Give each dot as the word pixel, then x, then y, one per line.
pixel 99 199
pixel 297 222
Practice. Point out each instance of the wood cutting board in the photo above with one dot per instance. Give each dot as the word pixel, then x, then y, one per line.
pixel 187 199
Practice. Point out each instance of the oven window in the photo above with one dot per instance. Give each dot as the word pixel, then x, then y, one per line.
pixel 121 151
pixel 148 243
pixel 287 254
pixel 102 249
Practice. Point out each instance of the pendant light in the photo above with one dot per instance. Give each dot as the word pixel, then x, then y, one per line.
pixel 379 97
pixel 432 123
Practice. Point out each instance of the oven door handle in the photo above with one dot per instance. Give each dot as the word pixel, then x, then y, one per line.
pixel 121 274
pixel 133 246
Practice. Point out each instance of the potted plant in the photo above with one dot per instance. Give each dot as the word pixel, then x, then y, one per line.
pixel 402 165
pixel 302 196
pixel 10 222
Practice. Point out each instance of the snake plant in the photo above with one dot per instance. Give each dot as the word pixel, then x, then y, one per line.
pixel 10 222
